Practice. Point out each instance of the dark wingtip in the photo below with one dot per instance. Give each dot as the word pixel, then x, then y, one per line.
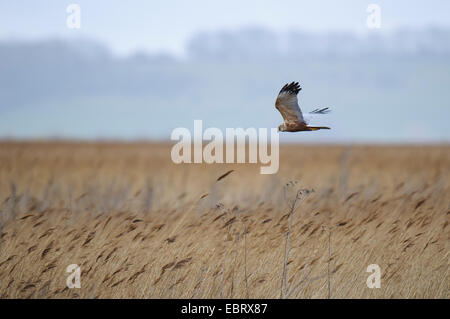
pixel 292 88
pixel 324 110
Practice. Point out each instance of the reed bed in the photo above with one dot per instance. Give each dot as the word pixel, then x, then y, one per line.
pixel 140 226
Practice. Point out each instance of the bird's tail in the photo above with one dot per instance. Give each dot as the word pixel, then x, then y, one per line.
pixel 324 110
pixel 316 128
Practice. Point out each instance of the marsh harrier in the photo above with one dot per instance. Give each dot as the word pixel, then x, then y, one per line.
pixel 294 120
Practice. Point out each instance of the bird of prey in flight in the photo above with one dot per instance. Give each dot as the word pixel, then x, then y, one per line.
pixel 294 119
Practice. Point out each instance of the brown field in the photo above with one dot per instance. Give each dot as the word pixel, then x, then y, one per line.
pixel 140 226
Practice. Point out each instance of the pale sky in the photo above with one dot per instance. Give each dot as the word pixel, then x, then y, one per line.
pixel 403 91
pixel 129 26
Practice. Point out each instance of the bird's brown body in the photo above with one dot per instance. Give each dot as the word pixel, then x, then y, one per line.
pixel 298 127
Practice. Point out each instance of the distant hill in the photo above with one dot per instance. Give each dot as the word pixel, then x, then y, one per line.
pixel 250 44
pixel 80 89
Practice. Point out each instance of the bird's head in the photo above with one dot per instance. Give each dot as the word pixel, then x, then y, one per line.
pixel 281 128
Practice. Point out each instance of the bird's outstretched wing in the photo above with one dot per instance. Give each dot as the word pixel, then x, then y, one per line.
pixel 287 103
pixel 308 117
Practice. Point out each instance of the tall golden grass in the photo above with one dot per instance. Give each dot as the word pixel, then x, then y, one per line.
pixel 140 226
